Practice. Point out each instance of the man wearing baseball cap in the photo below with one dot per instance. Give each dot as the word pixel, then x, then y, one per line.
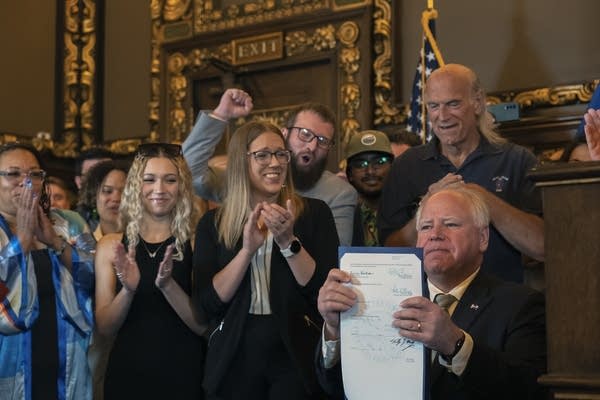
pixel 369 159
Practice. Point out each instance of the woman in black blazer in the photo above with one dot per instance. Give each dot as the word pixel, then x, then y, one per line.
pixel 259 262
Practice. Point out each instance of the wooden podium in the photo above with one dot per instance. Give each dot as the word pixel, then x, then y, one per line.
pixel 571 195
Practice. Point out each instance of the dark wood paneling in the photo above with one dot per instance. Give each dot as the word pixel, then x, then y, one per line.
pixel 570 194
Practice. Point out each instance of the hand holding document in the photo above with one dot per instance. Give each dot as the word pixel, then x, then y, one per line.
pixel 378 363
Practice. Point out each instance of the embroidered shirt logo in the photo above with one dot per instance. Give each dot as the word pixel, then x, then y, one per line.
pixel 500 182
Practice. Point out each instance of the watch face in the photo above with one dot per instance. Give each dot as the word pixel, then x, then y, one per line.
pixel 295 246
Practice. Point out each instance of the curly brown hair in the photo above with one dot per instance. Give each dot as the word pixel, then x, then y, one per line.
pixel 92 182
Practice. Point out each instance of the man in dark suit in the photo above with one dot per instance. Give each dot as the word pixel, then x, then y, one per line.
pixel 489 343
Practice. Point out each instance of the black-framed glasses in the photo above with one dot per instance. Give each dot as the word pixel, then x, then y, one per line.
pixel 264 157
pixel 155 149
pixel 375 162
pixel 306 135
pixel 15 175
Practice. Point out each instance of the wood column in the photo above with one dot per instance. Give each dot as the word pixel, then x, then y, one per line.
pixel 571 195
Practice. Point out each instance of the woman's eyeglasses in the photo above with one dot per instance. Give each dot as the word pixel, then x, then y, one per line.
pixel 375 162
pixel 306 135
pixel 15 175
pixel 156 149
pixel 264 157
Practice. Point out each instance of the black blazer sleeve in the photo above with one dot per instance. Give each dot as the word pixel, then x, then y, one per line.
pixel 207 252
pixel 330 379
pixel 316 230
pixel 510 370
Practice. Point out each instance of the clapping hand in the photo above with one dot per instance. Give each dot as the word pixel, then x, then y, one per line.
pixel 280 221
pixel 126 268
pixel 44 231
pixel 165 269
pixel 254 232
pixel 27 215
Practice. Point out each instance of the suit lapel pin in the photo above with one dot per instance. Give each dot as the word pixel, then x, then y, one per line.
pixel 474 306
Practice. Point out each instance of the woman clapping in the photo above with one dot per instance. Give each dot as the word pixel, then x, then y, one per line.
pixel 143 282
pixel 259 262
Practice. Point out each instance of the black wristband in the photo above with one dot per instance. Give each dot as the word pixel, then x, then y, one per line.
pixel 457 346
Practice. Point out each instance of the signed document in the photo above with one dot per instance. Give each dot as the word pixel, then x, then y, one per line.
pixel 378 363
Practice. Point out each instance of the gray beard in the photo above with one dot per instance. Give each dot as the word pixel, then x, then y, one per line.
pixel 307 178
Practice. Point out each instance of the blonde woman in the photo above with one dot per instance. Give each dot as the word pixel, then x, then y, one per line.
pixel 143 282
pixel 260 260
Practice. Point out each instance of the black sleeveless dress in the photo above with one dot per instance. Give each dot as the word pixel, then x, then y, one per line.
pixel 155 355
pixel 44 332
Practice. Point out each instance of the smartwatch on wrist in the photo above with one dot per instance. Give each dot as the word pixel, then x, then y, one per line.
pixel 293 249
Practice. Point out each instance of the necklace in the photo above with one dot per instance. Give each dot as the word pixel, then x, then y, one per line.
pixel 152 254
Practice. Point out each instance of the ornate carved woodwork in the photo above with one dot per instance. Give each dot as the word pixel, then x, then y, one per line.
pixel 330 43
pixel 352 38
pixel 79 120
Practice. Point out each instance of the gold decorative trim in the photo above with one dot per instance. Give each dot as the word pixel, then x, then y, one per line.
pixel 71 67
pixel 164 13
pixel 175 19
pixel 154 104
pixel 349 58
pixel 178 84
pixel 342 5
pixel 324 38
pixel 547 96
pixel 174 10
pixel 208 18
pixel 299 42
pixel 79 84
pixel 43 142
pixel 385 112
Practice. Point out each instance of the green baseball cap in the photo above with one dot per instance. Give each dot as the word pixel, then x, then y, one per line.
pixel 367 141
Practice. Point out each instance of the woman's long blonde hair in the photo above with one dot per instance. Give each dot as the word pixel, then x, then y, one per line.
pixel 132 208
pixel 233 214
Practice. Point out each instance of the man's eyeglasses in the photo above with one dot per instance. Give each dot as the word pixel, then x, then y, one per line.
pixel 306 135
pixel 15 175
pixel 264 157
pixel 375 162
pixel 156 149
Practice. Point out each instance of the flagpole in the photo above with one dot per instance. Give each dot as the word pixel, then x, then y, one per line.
pixel 430 59
pixel 429 14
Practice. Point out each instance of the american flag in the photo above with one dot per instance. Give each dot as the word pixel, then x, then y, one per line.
pixel 430 59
